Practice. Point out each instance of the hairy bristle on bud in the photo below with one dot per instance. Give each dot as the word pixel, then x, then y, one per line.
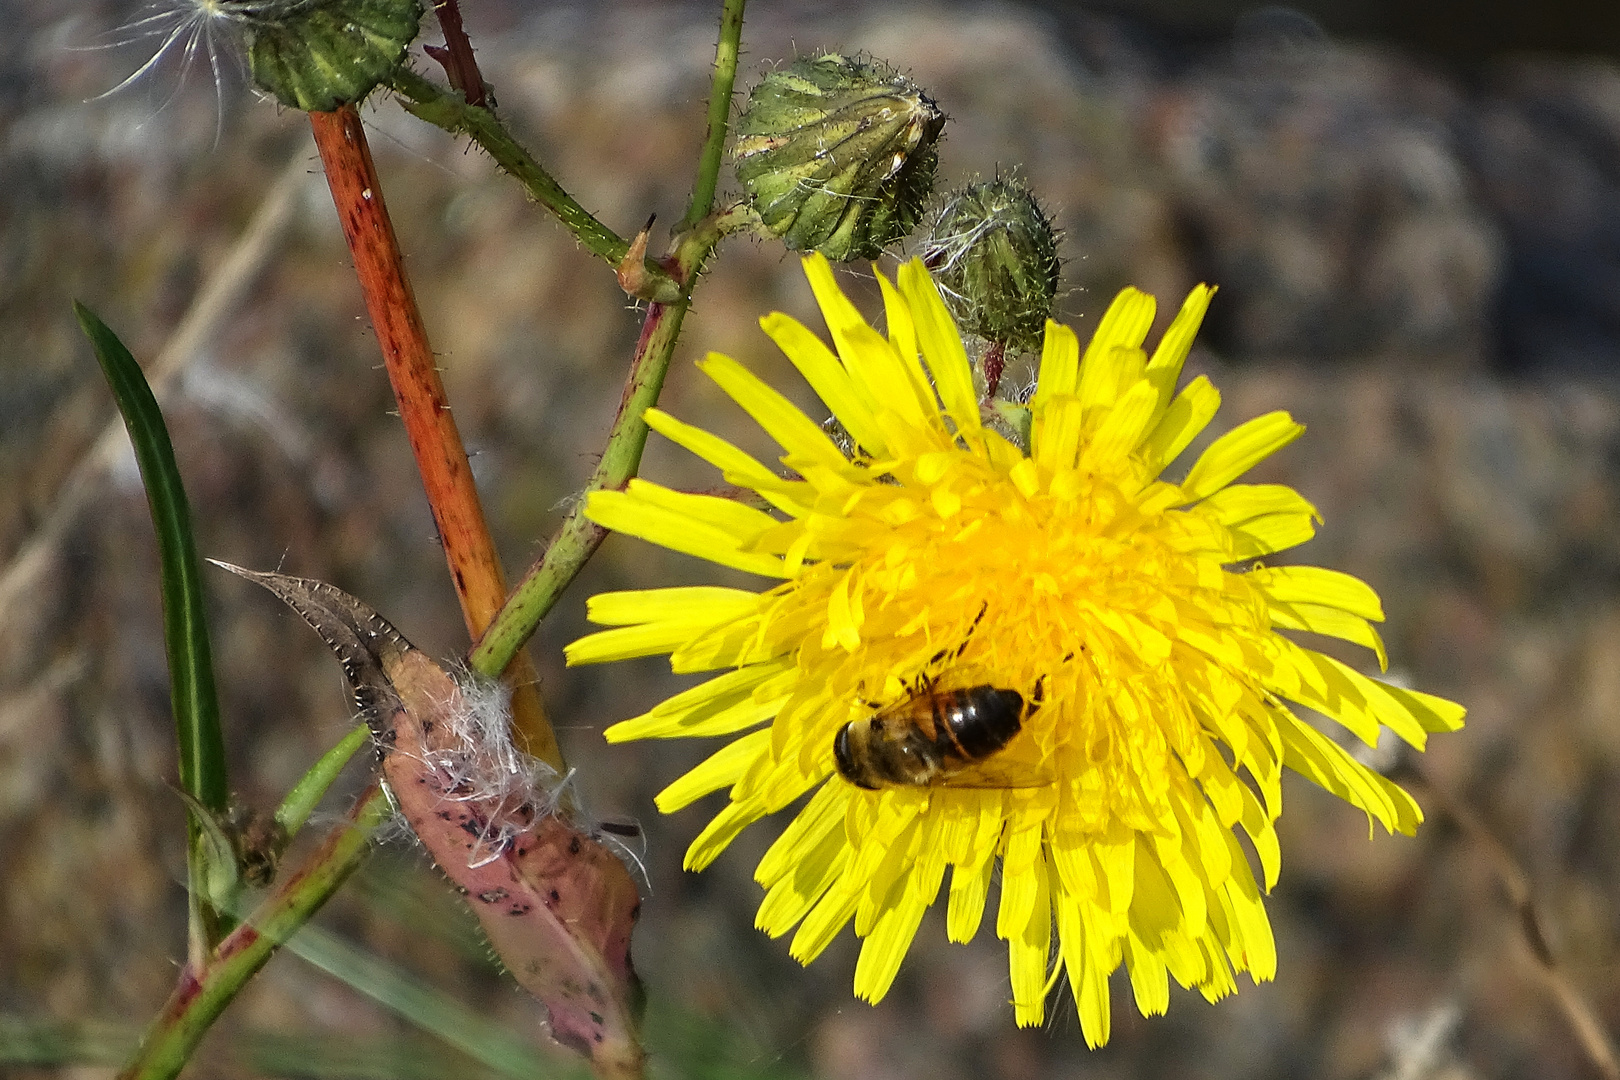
pixel 320 54
pixel 837 155
pixel 993 251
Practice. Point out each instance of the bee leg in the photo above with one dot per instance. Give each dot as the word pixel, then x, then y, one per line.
pixel 948 654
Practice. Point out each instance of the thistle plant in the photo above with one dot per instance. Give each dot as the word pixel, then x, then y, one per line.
pixel 1054 552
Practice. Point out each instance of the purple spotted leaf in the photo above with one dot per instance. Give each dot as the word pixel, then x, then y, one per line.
pixel 557 906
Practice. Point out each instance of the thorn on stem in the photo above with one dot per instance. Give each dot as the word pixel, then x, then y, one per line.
pixel 635 278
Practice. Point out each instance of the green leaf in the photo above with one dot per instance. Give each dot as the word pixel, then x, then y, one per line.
pixel 302 799
pixel 185 626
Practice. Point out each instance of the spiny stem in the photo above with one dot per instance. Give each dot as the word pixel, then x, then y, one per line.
pixel 460 65
pixel 579 537
pixel 427 102
pixel 201 995
pixel 714 144
pixel 441 459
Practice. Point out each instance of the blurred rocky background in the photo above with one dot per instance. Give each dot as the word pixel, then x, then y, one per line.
pixel 1419 255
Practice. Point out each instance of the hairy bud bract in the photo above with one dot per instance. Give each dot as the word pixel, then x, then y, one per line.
pixel 993 251
pixel 837 155
pixel 316 55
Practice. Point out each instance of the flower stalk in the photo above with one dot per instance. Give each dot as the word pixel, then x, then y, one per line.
pixel 448 111
pixel 202 991
pixel 578 537
pixel 720 91
pixel 441 458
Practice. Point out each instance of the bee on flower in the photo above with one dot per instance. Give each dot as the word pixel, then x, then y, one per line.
pixel 1092 652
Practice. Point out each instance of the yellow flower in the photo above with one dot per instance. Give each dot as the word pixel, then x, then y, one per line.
pixel 1038 551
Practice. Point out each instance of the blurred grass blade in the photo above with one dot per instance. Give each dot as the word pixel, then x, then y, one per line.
pixel 185 626
pixel 47 1042
pixel 483 1040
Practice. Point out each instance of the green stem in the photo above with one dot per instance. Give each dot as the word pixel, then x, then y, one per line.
pixel 200 996
pixel 311 787
pixel 579 537
pixel 446 110
pixel 714 145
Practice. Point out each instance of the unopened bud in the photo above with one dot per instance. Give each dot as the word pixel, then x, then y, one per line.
pixel 837 155
pixel 316 55
pixel 993 251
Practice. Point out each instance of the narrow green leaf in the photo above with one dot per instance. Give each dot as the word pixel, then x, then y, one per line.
pixel 431 1010
pixel 185 626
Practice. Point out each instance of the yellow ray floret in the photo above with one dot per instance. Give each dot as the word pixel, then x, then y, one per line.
pixel 948 544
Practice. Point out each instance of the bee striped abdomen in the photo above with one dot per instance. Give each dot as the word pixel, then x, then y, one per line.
pixel 927 737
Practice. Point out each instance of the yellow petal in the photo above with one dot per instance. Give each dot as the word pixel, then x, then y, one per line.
pixel 720 769
pixel 719 833
pixel 795 432
pixel 885 947
pixel 695 607
pixel 1238 451
pixel 790 496
pixel 1316 585
pixel 1028 949
pixel 941 345
pixel 710 528
pixel 827 377
pixel 1164 370
pixel 1316 619
pixel 830 915
pixel 700 722
pixel 906 390
pixel 1123 327
pixel 1189 413
pixel 1060 365
pixel 1270 534
pixel 1238 503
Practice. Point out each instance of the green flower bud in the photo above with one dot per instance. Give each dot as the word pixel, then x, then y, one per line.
pixel 837 155
pixel 993 251
pixel 316 55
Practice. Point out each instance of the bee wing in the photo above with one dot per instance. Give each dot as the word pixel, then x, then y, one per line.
pixel 1001 774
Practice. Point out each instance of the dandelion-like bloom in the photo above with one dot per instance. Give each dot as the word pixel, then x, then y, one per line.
pixel 938 554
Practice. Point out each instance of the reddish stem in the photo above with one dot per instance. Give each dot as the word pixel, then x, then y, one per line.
pixel 475 568
pixel 994 363
pixel 655 315
pixel 460 66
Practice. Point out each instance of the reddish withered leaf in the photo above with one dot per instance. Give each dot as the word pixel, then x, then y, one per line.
pixel 557 906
